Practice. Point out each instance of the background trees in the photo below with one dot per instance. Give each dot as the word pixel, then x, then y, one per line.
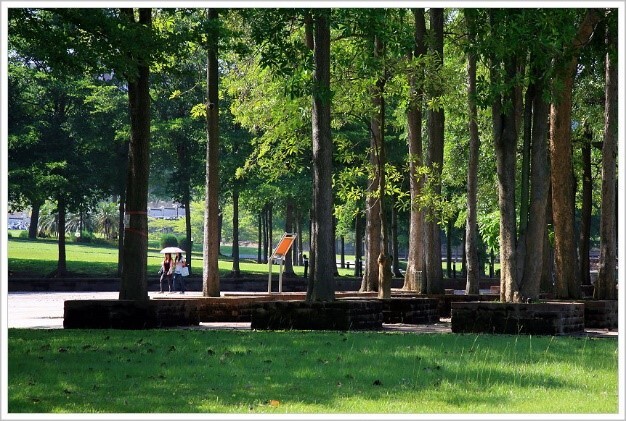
pixel 346 103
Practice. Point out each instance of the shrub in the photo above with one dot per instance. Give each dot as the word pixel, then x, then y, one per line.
pixel 169 240
pixel 85 237
pixel 23 234
pixel 182 243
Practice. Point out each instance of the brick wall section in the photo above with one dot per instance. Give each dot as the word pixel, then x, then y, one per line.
pixel 601 314
pixel 359 314
pixel 410 310
pixel 551 318
pixel 128 314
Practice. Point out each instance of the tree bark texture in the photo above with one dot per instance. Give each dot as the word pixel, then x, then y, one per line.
pixel 413 278
pixel 235 272
pixel 505 140
pixel 471 223
pixel 535 233
pixel 211 245
pixel 134 284
pixel 322 260
pixel 377 128
pixel 566 259
pixel 434 271
pixel 605 286
pixel 585 213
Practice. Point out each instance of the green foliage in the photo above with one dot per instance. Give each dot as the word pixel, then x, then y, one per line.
pixel 169 240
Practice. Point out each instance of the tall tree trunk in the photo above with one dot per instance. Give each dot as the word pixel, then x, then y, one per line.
pixel 605 285
pixel 134 283
pixel 395 246
pixel 372 230
pixel 211 245
pixel 377 128
pixel 120 235
pixel 34 219
pixel 535 235
pixel 321 285
pixel 358 245
pixel 546 284
pixel 413 279
pixel 434 272
pixel 235 272
pixel 505 139
pixel 585 214
pixel 187 204
pixel 62 262
pixel 259 258
pixel 567 279
pixel 472 270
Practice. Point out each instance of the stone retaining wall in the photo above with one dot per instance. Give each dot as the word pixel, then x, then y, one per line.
pixel 410 310
pixel 128 314
pixel 358 314
pixel 601 314
pixel 549 318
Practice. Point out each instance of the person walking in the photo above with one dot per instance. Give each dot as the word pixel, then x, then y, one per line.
pixel 166 273
pixel 179 263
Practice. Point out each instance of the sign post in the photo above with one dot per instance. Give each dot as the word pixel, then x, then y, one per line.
pixel 280 252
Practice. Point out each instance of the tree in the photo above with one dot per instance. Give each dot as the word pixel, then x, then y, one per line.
pixel 322 260
pixel 434 160
pixel 210 273
pixel 415 262
pixel 567 276
pixel 605 286
pixel 471 229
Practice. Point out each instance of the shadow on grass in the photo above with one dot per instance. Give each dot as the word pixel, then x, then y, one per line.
pixel 186 371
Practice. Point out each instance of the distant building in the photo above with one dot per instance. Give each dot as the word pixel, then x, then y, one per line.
pixel 165 210
pixel 18 221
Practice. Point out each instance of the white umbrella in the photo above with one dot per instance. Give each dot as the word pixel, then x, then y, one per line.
pixel 172 250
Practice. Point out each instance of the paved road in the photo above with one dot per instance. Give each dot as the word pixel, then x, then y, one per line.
pixel 44 310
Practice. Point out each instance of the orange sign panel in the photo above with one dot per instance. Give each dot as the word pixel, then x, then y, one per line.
pixel 284 245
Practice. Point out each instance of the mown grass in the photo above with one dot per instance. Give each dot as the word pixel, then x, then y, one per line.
pixel 39 258
pixel 296 372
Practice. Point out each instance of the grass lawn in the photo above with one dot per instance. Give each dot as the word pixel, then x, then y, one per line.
pixel 39 257
pixel 295 372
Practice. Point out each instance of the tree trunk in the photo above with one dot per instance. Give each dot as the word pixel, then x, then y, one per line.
pixel 415 261
pixel 535 234
pixel 321 285
pixel 377 128
pixel 235 272
pixel 585 214
pixel 547 260
pixel 34 220
pixel 358 245
pixel 505 139
pixel 342 251
pixel 211 245
pixel 567 279
pixel 395 246
pixel 372 231
pixel 259 258
pixel 134 284
pixel 434 272
pixel 120 235
pixel 62 262
pixel 472 269
pixel 187 204
pixel 605 286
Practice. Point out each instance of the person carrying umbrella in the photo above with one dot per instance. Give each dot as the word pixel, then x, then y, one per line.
pixel 179 263
pixel 166 272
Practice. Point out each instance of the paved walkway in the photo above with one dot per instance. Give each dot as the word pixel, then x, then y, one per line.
pixel 44 310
